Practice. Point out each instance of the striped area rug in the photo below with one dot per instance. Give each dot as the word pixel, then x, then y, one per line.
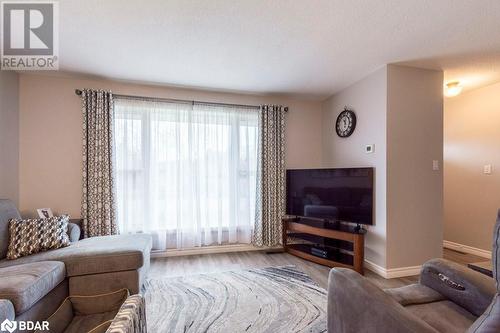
pixel 273 299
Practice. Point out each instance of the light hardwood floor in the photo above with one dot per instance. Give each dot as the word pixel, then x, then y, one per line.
pixel 208 263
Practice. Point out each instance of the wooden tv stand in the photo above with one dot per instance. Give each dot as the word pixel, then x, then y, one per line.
pixel 343 245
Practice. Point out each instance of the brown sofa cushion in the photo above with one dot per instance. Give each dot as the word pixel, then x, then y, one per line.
pixel 89 314
pixel 36 235
pixel 24 285
pixel 96 255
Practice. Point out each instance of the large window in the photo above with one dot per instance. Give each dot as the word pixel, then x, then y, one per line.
pixel 186 172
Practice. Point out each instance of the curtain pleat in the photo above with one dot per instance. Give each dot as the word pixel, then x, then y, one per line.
pixel 98 199
pixel 271 177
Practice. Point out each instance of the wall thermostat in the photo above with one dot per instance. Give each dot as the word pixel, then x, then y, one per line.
pixel 369 149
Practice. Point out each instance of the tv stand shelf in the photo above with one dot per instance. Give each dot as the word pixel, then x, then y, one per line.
pixel 343 245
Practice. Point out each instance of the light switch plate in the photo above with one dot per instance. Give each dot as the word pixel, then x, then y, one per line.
pixel 435 165
pixel 369 149
pixel 487 169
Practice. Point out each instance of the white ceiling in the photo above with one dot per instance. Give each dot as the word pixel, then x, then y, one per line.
pixel 307 48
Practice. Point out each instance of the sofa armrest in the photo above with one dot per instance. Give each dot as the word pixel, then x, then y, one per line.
pixel 6 310
pixel 357 305
pixel 469 289
pixel 73 232
pixel 131 318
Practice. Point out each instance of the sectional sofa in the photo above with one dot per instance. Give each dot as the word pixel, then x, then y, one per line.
pixel 32 287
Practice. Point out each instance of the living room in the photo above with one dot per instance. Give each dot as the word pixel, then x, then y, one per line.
pixel 250 166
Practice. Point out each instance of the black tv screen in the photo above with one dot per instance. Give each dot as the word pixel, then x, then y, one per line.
pixel 344 195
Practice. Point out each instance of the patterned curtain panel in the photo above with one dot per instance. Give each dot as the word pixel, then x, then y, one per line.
pixel 271 177
pixel 98 201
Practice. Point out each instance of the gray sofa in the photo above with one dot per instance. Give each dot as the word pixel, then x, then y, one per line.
pixel 32 287
pixel 449 298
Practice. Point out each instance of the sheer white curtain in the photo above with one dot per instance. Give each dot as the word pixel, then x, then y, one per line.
pixel 186 173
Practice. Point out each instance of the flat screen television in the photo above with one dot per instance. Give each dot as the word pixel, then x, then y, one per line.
pixel 342 195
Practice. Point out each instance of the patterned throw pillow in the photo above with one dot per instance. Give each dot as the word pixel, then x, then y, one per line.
pixel 37 235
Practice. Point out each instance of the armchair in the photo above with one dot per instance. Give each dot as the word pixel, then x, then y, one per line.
pixel 448 298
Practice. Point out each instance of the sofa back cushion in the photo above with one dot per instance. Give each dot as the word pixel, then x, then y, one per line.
pixel 489 321
pixel 8 211
pixel 37 235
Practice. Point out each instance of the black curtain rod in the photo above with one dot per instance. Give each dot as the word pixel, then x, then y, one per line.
pixel 79 93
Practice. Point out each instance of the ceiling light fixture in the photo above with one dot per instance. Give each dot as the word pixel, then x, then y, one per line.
pixel 453 89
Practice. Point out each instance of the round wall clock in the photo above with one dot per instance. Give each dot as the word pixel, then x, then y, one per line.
pixel 346 123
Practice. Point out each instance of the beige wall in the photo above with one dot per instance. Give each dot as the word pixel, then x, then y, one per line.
pixel 472 140
pixel 399 109
pixel 368 98
pixel 414 189
pixel 50 134
pixel 9 136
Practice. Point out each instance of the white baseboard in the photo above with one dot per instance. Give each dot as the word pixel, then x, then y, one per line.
pixel 415 270
pixel 392 273
pixel 211 250
pixel 379 270
pixel 403 271
pixel 467 249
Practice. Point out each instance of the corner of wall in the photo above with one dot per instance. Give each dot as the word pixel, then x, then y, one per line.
pixel 393 105
pixel 368 99
pixel 414 188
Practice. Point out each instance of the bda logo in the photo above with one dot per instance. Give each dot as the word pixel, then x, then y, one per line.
pixel 11 325
pixel 8 326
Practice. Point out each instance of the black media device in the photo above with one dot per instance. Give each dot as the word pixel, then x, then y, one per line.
pixel 339 195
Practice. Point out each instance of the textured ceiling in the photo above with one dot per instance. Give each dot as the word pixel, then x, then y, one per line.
pixel 308 48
